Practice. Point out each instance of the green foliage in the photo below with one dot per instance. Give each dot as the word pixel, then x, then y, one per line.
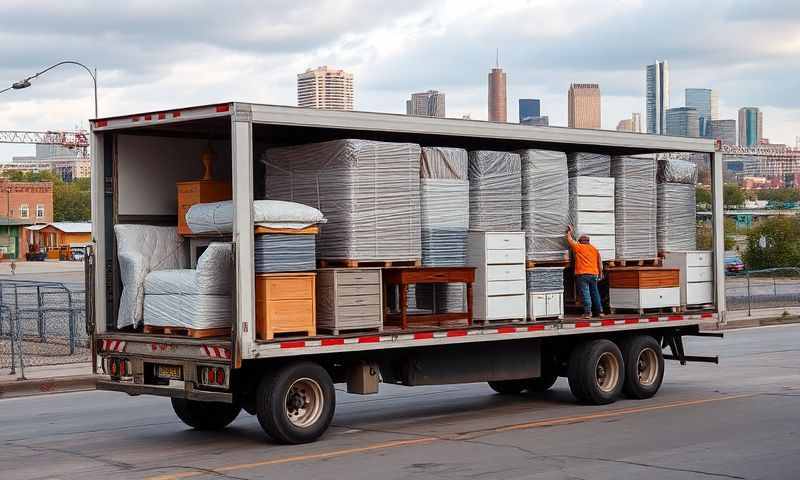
pixel 782 247
pixel 733 195
pixel 702 198
pixel 705 234
pixel 44 176
pixel 779 195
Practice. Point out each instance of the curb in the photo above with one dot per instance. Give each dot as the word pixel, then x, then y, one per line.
pixel 757 322
pixel 42 386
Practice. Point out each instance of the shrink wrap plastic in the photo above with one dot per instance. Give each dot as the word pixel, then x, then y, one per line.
pixel 582 164
pixel 278 252
pixel 495 191
pixel 677 171
pixel 545 204
pixel 217 217
pixel 545 279
pixel 676 217
pixel 635 207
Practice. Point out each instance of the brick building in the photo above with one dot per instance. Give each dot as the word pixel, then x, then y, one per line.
pixel 21 204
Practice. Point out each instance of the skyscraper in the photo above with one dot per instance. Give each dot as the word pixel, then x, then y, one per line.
pixel 529 108
pixel 751 126
pixel 633 124
pixel 682 122
pixel 427 104
pixel 636 118
pixel 498 105
pixel 706 102
pixel 325 88
pixel 583 109
pixel 657 97
pixel 724 131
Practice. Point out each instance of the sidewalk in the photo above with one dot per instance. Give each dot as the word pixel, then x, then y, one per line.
pixel 48 379
pixel 761 317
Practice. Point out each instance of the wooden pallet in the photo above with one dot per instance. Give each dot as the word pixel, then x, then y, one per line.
pixel 312 230
pixel 645 311
pixel 343 331
pixel 535 264
pixel 188 332
pixel 646 262
pixel 325 263
pixel 500 321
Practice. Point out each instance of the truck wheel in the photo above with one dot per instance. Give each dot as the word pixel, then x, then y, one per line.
pixel 596 372
pixel 508 387
pixel 644 366
pixel 205 415
pixel 296 403
pixel 540 384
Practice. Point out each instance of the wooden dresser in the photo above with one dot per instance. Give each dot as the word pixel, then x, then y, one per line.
pixel 639 288
pixel 349 299
pixel 199 191
pixel 285 303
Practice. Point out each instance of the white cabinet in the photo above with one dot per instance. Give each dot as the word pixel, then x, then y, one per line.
pixel 499 261
pixel 641 298
pixel 545 305
pixel 591 202
pixel 697 275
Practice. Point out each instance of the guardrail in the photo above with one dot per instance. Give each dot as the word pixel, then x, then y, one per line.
pixel 766 288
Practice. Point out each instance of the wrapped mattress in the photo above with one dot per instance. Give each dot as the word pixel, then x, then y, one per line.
pixel 285 253
pixel 368 191
pixel 545 204
pixel 495 191
pixel 677 171
pixel 591 205
pixel 676 218
pixel 635 207
pixel 583 164
pixel 217 217
pixel 545 279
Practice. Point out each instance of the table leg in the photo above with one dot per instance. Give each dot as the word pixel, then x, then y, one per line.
pixel 469 303
pixel 404 305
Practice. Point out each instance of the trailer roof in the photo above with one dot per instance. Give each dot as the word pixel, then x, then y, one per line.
pixel 293 125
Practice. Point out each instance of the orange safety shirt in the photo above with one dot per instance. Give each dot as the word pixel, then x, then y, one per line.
pixel 586 258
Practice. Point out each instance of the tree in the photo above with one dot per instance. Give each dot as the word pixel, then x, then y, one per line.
pixel 732 195
pixel 779 195
pixel 702 198
pixel 705 234
pixel 773 243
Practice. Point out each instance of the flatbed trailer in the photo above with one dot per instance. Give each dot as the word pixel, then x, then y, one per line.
pixel 288 382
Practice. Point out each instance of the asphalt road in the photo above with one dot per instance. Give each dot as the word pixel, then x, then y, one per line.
pixel 737 420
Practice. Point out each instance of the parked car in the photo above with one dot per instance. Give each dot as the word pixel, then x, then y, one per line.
pixel 733 265
pixel 77 254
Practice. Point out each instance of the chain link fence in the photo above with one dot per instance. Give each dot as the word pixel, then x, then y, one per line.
pixel 768 288
pixel 41 323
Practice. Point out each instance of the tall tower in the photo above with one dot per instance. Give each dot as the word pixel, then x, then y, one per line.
pixel 583 105
pixel 657 97
pixel 498 107
pixel 706 102
pixel 325 88
pixel 751 126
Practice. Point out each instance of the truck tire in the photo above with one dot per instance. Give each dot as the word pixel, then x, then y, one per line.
pixel 205 415
pixel 508 387
pixel 540 384
pixel 596 372
pixel 644 366
pixel 296 403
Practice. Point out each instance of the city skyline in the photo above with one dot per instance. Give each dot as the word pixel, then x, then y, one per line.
pixel 429 104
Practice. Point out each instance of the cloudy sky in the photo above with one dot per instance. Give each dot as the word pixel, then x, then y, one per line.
pixel 159 54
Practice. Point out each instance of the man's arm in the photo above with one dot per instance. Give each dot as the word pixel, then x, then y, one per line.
pixel 599 266
pixel 571 241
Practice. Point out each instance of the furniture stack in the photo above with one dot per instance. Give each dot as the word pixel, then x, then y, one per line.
pixel 696 276
pixel 199 191
pixel 545 205
pixel 584 164
pixel 545 286
pixel 592 212
pixel 495 191
pixel 368 190
pixel 500 288
pixel 634 207
pixel 676 216
pixel 641 288
pixel 349 299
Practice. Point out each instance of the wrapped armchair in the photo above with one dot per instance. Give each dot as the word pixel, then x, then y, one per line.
pixel 197 299
pixel 142 249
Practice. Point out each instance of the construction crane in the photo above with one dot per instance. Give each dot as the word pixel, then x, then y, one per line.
pixel 78 140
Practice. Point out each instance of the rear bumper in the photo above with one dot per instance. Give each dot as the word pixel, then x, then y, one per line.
pixel 164 391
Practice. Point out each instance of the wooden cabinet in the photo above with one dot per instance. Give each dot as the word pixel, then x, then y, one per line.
pixel 285 303
pixel 349 299
pixel 640 288
pixel 499 258
pixel 199 191
pixel 696 276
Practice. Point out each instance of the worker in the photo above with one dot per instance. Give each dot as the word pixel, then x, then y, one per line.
pixel 588 271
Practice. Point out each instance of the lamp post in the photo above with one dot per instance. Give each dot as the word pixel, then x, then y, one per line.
pixel 26 82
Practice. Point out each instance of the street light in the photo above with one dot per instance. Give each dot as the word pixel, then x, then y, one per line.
pixel 26 82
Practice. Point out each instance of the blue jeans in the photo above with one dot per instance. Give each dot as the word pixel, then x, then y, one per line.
pixel 590 294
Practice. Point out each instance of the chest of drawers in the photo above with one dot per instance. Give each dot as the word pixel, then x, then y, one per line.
pixel 696 276
pixel 285 303
pixel 199 191
pixel 349 299
pixel 640 288
pixel 500 289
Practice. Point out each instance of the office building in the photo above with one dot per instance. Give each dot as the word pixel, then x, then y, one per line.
pixel 529 108
pixel 657 97
pixel 633 124
pixel 426 104
pixel 325 88
pixel 706 102
pixel 498 105
pixel 723 130
pixel 583 109
pixel 751 126
pixel 682 122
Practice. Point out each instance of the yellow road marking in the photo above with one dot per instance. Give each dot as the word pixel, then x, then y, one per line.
pixel 461 436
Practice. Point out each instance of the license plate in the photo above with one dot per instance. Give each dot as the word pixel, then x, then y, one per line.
pixel 170 371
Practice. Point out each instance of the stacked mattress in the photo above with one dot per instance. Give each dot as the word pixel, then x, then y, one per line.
pixel 676 217
pixel 545 279
pixel 495 191
pixel 583 164
pixel 278 252
pixel 592 212
pixel 545 204
pixel 635 207
pixel 368 190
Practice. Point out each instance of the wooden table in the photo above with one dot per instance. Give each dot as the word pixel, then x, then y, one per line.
pixel 405 276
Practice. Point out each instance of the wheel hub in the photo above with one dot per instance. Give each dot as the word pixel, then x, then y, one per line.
pixel 607 372
pixel 304 401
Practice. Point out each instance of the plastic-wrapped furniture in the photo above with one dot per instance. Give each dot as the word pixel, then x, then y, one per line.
pixel 584 164
pixel 545 204
pixel 196 300
pixel 495 191
pixel 142 249
pixel 634 206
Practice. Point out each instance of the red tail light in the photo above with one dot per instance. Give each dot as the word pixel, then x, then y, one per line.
pixel 220 376
pixel 210 376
